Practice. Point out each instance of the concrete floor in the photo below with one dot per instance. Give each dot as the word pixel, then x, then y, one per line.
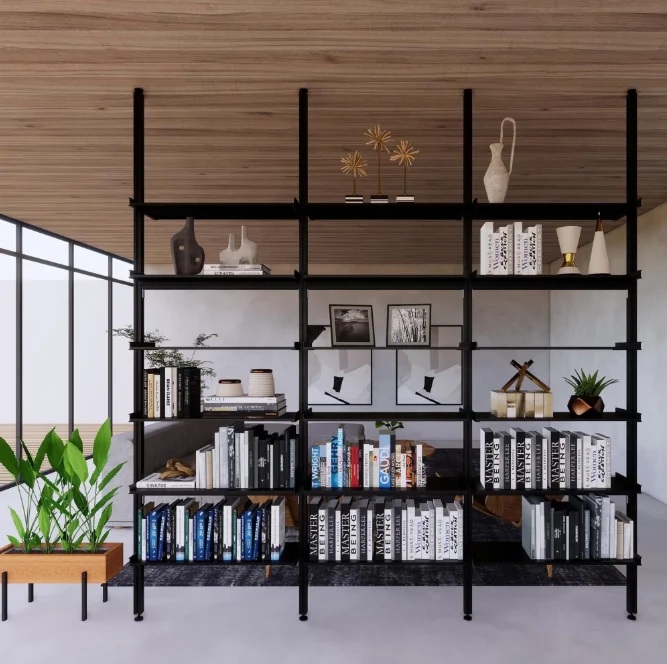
pixel 351 624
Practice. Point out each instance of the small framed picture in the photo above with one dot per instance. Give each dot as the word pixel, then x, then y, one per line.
pixel 352 325
pixel 409 325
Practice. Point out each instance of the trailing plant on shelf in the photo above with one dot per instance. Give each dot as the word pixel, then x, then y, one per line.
pixel 165 357
pixel 586 399
pixel 390 425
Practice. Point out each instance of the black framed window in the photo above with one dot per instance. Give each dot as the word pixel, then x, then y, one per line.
pixel 61 367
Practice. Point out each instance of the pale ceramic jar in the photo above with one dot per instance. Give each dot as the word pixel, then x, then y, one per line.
pixel 246 254
pixel 497 177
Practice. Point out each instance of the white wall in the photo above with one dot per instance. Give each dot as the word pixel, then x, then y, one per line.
pixel 598 318
pixel 271 318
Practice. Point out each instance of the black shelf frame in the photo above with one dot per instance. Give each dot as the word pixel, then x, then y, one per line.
pixel 465 212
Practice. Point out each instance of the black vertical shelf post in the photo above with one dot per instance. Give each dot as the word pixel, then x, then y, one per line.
pixel 303 352
pixel 467 351
pixel 138 163
pixel 631 333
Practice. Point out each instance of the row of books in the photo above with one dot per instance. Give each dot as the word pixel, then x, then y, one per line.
pixel 552 459
pixel 233 529
pixel 383 464
pixel 510 249
pixel 222 269
pixel 583 528
pixel 255 406
pixel 172 392
pixel 380 529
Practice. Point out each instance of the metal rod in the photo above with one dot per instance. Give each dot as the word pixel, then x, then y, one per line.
pixel 31 593
pixel 110 345
pixel 4 596
pixel 105 592
pixel 631 334
pixel 19 341
pixel 70 332
pixel 467 353
pixel 84 596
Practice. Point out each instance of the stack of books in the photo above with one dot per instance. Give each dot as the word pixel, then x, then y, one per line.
pixel 253 406
pixel 519 460
pixel 233 529
pixel 367 464
pixel 384 530
pixel 510 249
pixel 172 392
pixel 583 528
pixel 221 270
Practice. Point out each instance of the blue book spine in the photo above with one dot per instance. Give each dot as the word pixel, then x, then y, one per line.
pixel 242 535
pixel 255 543
pixel 340 442
pixel 152 524
pixel 162 534
pixel 201 534
pixel 248 535
pixel 209 534
pixel 334 462
pixel 315 467
pixel 385 461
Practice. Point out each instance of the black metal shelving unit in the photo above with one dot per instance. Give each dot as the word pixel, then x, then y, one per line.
pixel 465 213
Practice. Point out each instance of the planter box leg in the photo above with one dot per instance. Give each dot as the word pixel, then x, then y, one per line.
pixel 4 596
pixel 105 592
pixel 84 596
pixel 31 593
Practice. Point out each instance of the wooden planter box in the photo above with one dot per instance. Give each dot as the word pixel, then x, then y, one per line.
pixel 61 567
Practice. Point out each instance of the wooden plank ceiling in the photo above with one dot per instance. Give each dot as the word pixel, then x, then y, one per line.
pixel 221 80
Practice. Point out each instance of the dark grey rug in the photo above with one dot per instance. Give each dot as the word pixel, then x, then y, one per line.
pixel 485 528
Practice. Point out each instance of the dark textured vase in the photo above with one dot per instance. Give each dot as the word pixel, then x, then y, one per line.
pixel 187 255
pixel 585 406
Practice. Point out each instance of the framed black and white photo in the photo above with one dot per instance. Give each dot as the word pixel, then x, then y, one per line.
pixel 408 325
pixel 352 325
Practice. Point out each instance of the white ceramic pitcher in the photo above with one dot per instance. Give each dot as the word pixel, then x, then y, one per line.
pixel 497 178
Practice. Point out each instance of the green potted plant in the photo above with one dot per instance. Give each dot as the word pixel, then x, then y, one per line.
pixel 63 513
pixel 586 400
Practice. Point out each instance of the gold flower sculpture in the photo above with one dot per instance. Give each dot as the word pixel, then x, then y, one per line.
pixel 405 155
pixel 356 164
pixel 380 139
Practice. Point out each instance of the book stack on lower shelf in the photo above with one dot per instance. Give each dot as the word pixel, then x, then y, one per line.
pixel 225 270
pixel 558 460
pixel 245 405
pixel 583 528
pixel 384 530
pixel 172 392
pixel 367 464
pixel 234 529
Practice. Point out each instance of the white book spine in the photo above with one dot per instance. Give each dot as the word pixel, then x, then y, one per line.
pixel 603 461
pixel 496 253
pixel 367 474
pixel 411 531
pixel 338 532
pixel 167 393
pixel 404 532
pixel 612 529
pixel 376 468
pixel 369 531
pixel 157 395
pixel 604 544
pixel 594 464
pixel 496 463
pixel 545 463
pixel 503 252
pixel 419 466
pixel 525 246
pixel 418 534
pixel 528 467
pixel 191 537
pixel 518 247
pixel 388 532
pixel 586 462
pixel 486 248
pixel 510 248
pixel 447 529
pixel 426 526
pixel 328 466
pixel 454 533
pixel 354 533
pixel 216 460
pixel 439 530
pixel 533 531
pixel 322 530
pixel 513 464
pixel 580 457
pixel 562 462
pixel 627 540
pixel 143 539
pixel 538 245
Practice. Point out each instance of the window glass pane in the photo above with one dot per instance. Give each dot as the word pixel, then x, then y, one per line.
pixel 45 352
pixel 91 366
pixel 7 356
pixel 122 386
pixel 121 270
pixel 45 246
pixel 91 261
pixel 7 235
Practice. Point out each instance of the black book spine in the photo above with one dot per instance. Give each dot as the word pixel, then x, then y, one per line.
pixel 263 463
pixel 587 533
pixel 548 531
pixel 556 527
pixel 186 392
pixel 281 464
pixel 312 530
pixel 267 548
pixel 396 513
pixel 195 387
pixel 345 532
pixel 251 461
pixel 363 513
pixel 179 392
pixel 520 460
pixel 331 527
pixel 162 391
pixel 378 539
pixel 168 532
pixel 507 462
pixel 539 448
pixel 574 534
pixel 488 459
pixel 572 460
pixel 145 394
pixel 255 456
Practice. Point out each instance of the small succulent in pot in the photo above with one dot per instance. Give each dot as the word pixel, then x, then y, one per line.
pixel 586 400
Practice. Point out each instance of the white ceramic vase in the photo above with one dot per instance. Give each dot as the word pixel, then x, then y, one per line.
pixel 599 262
pixel 228 256
pixel 246 254
pixel 497 177
pixel 568 240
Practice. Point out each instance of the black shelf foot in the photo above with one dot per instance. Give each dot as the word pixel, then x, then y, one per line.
pixel 632 616
pixel 105 592
pixel 4 596
pixel 84 596
pixel 467 617
pixel 303 618
pixel 138 618
pixel 31 593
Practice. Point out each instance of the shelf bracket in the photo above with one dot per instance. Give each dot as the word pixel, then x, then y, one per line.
pixel 134 345
pixel 468 346
pixel 626 345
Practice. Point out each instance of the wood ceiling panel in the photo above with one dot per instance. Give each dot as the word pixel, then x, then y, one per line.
pixel 221 81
